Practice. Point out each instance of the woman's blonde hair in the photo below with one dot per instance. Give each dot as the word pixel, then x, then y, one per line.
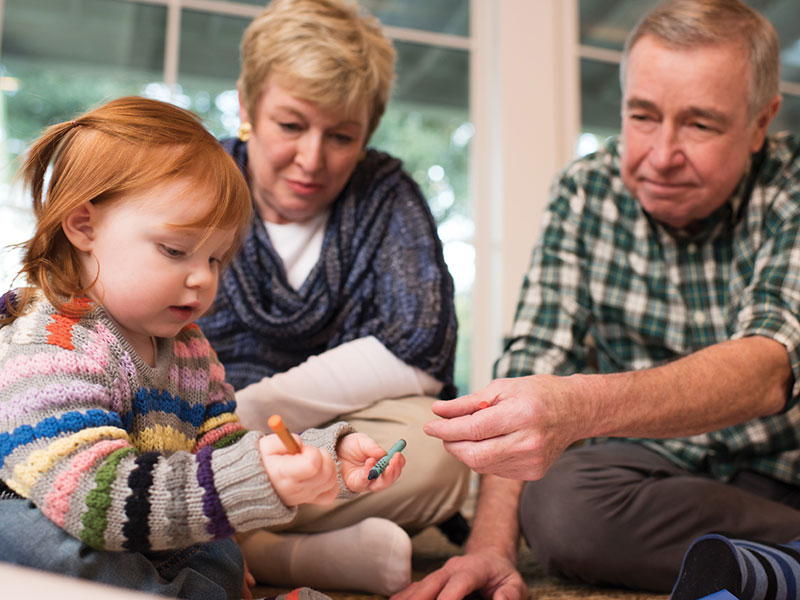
pixel 325 51
pixel 693 23
pixel 115 150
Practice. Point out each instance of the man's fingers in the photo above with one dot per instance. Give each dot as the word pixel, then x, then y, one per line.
pixel 444 584
pixel 465 405
pixel 481 425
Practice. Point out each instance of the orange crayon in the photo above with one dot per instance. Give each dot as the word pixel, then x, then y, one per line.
pixel 483 404
pixel 276 424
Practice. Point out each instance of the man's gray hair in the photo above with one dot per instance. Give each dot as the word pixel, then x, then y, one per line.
pixel 686 24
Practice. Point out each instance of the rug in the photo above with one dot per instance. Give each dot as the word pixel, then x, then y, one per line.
pixel 432 549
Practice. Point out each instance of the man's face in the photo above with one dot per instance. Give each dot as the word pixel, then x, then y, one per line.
pixel 686 136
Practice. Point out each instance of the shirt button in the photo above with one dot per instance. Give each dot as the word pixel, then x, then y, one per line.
pixel 692 248
pixel 699 317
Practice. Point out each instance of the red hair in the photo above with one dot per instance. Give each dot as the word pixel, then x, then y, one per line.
pixel 112 151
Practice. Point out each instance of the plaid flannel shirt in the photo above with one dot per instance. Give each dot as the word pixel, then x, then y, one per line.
pixel 646 295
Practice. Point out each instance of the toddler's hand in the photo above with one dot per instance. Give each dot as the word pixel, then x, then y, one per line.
pixel 358 453
pixel 305 478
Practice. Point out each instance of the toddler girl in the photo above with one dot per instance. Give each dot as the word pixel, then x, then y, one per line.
pixel 121 459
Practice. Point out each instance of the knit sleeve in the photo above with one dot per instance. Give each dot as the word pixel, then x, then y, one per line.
pixel 120 458
pixel 327 439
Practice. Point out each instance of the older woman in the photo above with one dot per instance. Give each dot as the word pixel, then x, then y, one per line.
pixel 339 304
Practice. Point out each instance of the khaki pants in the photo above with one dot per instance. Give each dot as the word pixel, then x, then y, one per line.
pixel 431 488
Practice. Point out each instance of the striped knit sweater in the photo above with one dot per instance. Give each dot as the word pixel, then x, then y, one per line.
pixel 125 456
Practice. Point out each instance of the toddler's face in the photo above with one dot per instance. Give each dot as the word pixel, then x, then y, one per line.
pixel 154 278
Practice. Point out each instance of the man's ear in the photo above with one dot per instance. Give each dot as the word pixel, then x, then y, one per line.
pixel 762 122
pixel 79 226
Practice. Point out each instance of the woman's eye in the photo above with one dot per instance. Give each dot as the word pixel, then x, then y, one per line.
pixel 342 138
pixel 291 127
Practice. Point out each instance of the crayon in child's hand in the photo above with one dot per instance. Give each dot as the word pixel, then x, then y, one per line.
pixel 375 471
pixel 483 404
pixel 276 424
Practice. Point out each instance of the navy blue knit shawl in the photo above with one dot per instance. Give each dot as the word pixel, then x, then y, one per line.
pixel 381 272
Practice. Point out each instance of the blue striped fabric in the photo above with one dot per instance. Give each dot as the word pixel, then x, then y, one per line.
pixel 749 570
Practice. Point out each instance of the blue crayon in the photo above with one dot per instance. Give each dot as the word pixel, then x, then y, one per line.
pixel 375 471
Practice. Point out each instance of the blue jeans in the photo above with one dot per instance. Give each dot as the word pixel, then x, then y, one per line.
pixel 209 571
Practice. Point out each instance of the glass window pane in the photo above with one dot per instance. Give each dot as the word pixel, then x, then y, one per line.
pixel 441 16
pixel 601 101
pixel 788 117
pixel 605 23
pixel 255 2
pixel 432 75
pixel 209 67
pixel 59 59
pixel 785 15
pixel 63 57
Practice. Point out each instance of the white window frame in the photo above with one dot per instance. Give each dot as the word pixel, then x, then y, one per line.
pixel 525 103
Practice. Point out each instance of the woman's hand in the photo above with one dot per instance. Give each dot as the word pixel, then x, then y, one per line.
pixel 358 453
pixel 308 477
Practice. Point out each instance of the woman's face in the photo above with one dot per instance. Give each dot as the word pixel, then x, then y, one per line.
pixel 300 156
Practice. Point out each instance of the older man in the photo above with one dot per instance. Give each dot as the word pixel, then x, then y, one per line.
pixel 675 249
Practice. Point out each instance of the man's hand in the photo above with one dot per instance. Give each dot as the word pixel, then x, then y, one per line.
pixel 489 573
pixel 528 423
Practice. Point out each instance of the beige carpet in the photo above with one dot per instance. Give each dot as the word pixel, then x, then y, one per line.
pixel 431 550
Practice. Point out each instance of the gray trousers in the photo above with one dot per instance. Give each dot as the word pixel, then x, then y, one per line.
pixel 620 514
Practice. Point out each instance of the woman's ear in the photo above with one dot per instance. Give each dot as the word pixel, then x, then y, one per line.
pixel 79 225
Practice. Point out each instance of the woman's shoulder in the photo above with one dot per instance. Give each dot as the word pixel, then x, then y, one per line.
pixel 377 166
pixel 380 176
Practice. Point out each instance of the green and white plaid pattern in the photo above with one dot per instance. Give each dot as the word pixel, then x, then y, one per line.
pixel 603 270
